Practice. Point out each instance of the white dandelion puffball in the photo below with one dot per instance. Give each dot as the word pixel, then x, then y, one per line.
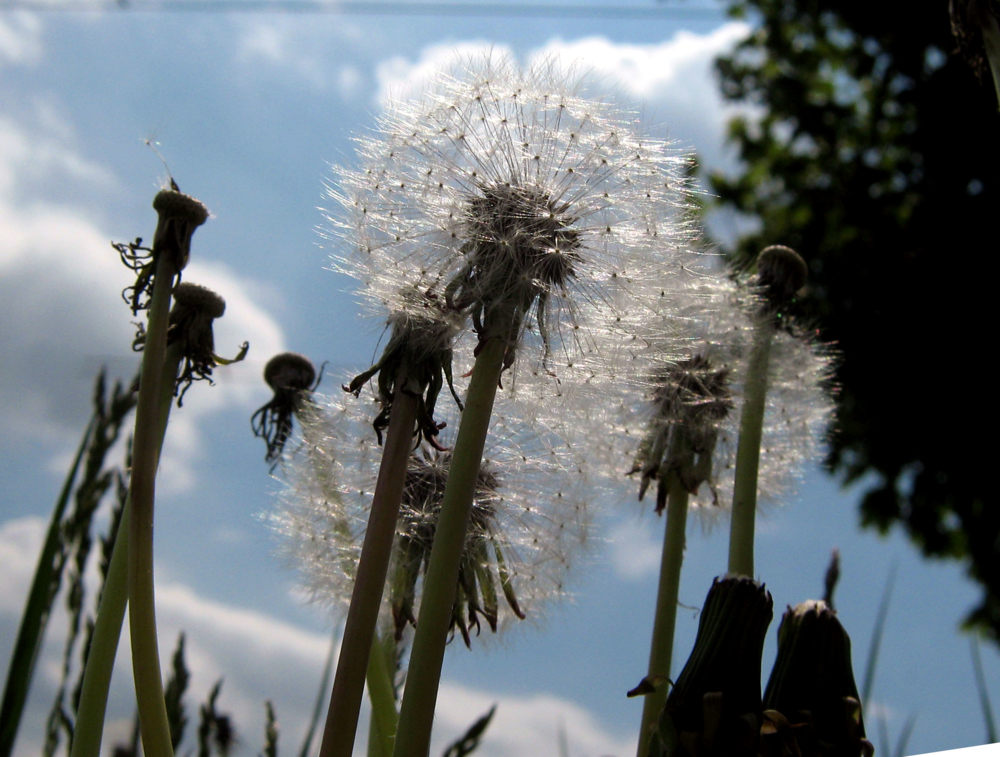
pixel 529 518
pixel 542 215
pixel 695 388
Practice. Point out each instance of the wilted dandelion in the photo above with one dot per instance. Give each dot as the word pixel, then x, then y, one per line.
pixel 292 377
pixel 195 308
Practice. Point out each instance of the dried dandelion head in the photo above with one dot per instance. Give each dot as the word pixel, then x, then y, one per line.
pixel 292 377
pixel 191 317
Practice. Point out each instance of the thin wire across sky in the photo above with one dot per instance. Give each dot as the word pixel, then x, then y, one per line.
pixel 377 8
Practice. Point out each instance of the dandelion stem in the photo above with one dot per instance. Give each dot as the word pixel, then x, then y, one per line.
pixel 741 532
pixel 153 721
pixel 662 647
pixel 441 580
pixel 382 696
pixel 366 598
pixel 89 727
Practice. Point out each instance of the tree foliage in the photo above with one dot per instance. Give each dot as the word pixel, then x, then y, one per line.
pixel 870 147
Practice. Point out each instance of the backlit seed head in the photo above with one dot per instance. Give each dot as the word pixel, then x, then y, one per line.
pixel 529 520
pixel 539 213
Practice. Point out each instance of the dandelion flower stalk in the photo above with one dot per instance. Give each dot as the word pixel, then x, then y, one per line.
pixel 179 215
pixel 781 273
pixel 416 715
pixel 380 676
pixel 362 618
pixel 692 398
pixel 89 726
pixel 661 648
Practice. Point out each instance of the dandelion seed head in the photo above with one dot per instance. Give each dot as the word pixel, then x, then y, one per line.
pixel 529 520
pixel 529 207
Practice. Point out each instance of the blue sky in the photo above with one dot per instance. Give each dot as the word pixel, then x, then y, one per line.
pixel 250 111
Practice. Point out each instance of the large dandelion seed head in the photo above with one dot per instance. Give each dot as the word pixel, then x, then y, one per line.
pixel 529 518
pixel 694 370
pixel 542 215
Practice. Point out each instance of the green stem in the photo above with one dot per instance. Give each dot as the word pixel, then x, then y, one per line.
pixel 741 532
pixel 661 648
pixel 89 728
pixel 369 582
pixel 153 721
pixel 36 612
pixel 382 695
pixel 374 744
pixel 441 581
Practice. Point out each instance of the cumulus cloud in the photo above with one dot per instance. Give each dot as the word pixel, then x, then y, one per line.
pixel 287 46
pixel 61 305
pixel 399 78
pixel 20 542
pixel 673 80
pixel 635 548
pixel 263 657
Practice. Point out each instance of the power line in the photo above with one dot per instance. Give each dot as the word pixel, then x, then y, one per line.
pixel 362 8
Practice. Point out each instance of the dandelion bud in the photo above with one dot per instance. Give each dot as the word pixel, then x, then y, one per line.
pixel 292 377
pixel 289 371
pixel 715 706
pixel 812 684
pixel 781 272
pixel 179 215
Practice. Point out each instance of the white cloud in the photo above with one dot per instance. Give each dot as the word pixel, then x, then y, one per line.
pixel 303 51
pixel 398 78
pixel 673 80
pixel 61 305
pixel 20 543
pixel 527 726
pixel 635 547
pixel 263 657
pixel 20 38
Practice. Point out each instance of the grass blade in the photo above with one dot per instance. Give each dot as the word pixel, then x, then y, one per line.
pixel 984 694
pixel 876 642
pixel 324 686
pixel 44 587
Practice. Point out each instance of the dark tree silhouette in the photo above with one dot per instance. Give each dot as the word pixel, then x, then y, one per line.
pixel 872 149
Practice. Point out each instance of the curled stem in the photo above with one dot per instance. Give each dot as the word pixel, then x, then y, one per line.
pixel 153 721
pixel 441 580
pixel 741 534
pixel 661 648
pixel 369 582
pixel 89 727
